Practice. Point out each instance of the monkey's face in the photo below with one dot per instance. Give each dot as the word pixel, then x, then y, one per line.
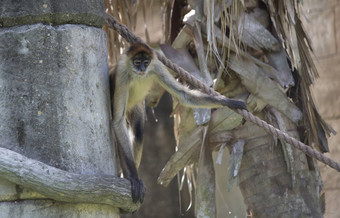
pixel 140 63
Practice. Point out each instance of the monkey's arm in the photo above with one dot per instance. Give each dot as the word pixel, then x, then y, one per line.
pixel 191 98
pixel 125 152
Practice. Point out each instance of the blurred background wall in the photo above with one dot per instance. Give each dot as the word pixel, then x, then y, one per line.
pixel 322 22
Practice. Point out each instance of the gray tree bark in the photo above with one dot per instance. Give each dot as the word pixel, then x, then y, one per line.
pixel 270 187
pixel 54 99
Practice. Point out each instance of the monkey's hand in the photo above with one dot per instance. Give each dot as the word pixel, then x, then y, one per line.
pixel 234 104
pixel 137 190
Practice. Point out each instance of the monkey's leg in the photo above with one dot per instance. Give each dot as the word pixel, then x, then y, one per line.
pixel 127 161
pixel 137 119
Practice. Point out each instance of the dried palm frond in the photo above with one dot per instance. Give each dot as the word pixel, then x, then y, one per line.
pixel 252 50
pixel 285 18
pixel 246 47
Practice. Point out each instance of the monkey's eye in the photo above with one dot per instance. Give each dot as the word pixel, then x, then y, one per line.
pixel 146 62
pixel 136 62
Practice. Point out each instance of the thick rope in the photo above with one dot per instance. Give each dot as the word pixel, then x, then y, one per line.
pixel 131 38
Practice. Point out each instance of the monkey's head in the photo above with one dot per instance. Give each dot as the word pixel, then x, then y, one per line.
pixel 140 56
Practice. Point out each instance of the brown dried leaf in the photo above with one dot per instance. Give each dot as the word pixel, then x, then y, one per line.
pixel 234 163
pixel 189 140
pixel 257 83
pixel 283 74
pixel 255 35
pixel 181 157
pixel 182 58
pixel 183 38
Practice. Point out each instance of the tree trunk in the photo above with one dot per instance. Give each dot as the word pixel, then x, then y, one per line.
pixel 270 186
pixel 54 100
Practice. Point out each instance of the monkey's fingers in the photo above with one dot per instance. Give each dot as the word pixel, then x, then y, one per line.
pixel 137 190
pixel 234 104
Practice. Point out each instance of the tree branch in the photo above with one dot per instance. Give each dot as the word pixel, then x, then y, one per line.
pixel 64 186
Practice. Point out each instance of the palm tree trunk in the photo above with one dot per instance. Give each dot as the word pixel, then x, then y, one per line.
pixel 270 187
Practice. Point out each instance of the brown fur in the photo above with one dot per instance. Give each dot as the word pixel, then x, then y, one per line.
pixel 137 48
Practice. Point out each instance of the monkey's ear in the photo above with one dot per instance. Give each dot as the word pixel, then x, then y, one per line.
pixel 137 48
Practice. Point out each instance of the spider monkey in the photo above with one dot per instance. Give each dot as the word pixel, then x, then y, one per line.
pixel 130 82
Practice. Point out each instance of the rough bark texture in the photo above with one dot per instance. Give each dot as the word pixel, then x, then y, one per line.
pixel 205 205
pixel 54 92
pixel 54 100
pixel 269 190
pixel 56 12
pixel 60 185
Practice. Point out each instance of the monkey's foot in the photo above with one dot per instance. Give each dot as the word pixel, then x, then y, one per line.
pixel 137 190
